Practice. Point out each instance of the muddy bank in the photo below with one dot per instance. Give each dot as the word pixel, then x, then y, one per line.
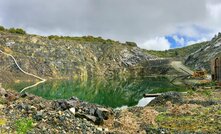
pixel 172 112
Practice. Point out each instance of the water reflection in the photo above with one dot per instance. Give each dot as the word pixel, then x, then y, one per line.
pixel 109 92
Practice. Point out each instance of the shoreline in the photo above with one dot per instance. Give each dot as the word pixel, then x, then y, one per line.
pixel 73 115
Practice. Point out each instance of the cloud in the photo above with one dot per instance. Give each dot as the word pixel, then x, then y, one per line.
pixel 196 41
pixel 123 20
pixel 214 10
pixel 212 21
pixel 179 40
pixel 158 43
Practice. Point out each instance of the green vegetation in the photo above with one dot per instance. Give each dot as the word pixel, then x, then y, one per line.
pixel 91 39
pixel 133 44
pixel 177 121
pixel 23 125
pixel 201 120
pixel 83 39
pixel 2 28
pixel 178 52
pixel 13 30
pixel 17 31
pixel 208 84
pixel 207 93
pixel 1 101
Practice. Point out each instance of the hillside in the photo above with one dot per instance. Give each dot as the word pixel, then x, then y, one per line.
pixel 178 52
pixel 73 57
pixel 82 57
pixel 197 56
pixel 201 59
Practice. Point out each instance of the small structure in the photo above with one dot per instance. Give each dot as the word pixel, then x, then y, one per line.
pixel 216 68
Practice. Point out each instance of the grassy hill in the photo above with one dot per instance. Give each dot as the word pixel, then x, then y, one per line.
pixel 177 52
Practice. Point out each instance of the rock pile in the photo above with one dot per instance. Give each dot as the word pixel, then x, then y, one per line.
pixel 96 114
pixel 61 116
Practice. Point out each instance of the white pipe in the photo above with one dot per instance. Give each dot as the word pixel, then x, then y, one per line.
pixel 30 74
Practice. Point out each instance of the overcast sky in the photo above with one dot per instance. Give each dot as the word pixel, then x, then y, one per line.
pixel 152 24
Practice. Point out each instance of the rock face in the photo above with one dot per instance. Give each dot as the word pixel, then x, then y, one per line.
pixel 76 57
pixel 201 59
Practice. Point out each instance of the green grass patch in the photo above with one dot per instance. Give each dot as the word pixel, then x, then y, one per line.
pixel 207 93
pixel 219 112
pixel 203 120
pixel 23 125
pixel 177 52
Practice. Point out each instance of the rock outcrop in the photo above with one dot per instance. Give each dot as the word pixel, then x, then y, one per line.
pixel 74 57
pixel 201 59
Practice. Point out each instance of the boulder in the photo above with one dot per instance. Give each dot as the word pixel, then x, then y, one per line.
pixel 66 104
pixel 2 91
pixel 23 95
pixel 102 113
pixel 38 116
pixel 91 111
pixel 86 116
pixel 72 110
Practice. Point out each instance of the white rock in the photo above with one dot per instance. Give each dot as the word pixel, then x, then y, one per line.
pixel 217 45
pixel 106 129
pixel 103 109
pixel 99 129
pixel 72 110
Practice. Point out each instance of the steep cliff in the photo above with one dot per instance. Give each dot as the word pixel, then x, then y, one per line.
pixel 75 57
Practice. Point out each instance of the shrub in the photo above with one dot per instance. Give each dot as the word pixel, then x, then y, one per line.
pixel 131 44
pixel 17 31
pixel 54 37
pixel 2 28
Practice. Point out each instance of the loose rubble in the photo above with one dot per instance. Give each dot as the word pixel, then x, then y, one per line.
pixel 171 112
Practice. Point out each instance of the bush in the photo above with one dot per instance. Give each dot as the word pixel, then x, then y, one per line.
pixel 2 28
pixel 53 37
pixel 17 30
pixel 133 44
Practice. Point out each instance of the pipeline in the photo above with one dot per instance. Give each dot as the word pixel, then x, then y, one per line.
pixel 42 80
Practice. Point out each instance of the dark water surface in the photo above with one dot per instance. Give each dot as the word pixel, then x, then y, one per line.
pixel 109 92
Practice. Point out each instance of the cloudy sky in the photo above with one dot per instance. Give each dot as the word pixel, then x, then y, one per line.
pixel 152 24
